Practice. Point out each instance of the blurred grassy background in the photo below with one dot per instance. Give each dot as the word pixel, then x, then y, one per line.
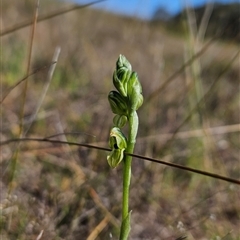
pixel 70 192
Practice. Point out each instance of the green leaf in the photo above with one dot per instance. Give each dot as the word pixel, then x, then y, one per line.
pixel 125 227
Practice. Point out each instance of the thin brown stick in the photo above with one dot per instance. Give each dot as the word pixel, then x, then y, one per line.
pixel 201 172
pixel 70 133
pixel 46 17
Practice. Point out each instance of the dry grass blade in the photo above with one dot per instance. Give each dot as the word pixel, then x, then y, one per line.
pixel 46 17
pixel 180 70
pixel 24 79
pixel 201 101
pixel 40 235
pixel 44 92
pixel 94 234
pixel 195 133
pixel 99 203
pixel 213 175
pixel 204 22
pixel 187 63
pixel 28 65
pixel 15 157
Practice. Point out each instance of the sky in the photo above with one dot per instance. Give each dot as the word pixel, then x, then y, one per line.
pixel 146 8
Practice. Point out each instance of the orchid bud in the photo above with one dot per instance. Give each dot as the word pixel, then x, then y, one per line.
pixel 120 80
pixel 123 62
pixel 134 92
pixel 118 144
pixel 120 121
pixel 122 74
pixel 118 103
pixel 127 84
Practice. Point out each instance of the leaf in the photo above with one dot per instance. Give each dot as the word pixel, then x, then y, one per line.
pixel 125 227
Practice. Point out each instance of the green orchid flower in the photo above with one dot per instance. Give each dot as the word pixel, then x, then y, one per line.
pixel 118 144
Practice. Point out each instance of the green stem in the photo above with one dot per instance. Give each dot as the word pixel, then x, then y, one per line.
pixel 133 128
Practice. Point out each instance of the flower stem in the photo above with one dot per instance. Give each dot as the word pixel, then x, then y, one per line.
pixel 133 127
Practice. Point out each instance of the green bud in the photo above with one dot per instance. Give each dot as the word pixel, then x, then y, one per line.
pixel 120 80
pixel 120 121
pixel 118 144
pixel 122 62
pixel 122 74
pixel 118 103
pixel 134 92
pixel 129 96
